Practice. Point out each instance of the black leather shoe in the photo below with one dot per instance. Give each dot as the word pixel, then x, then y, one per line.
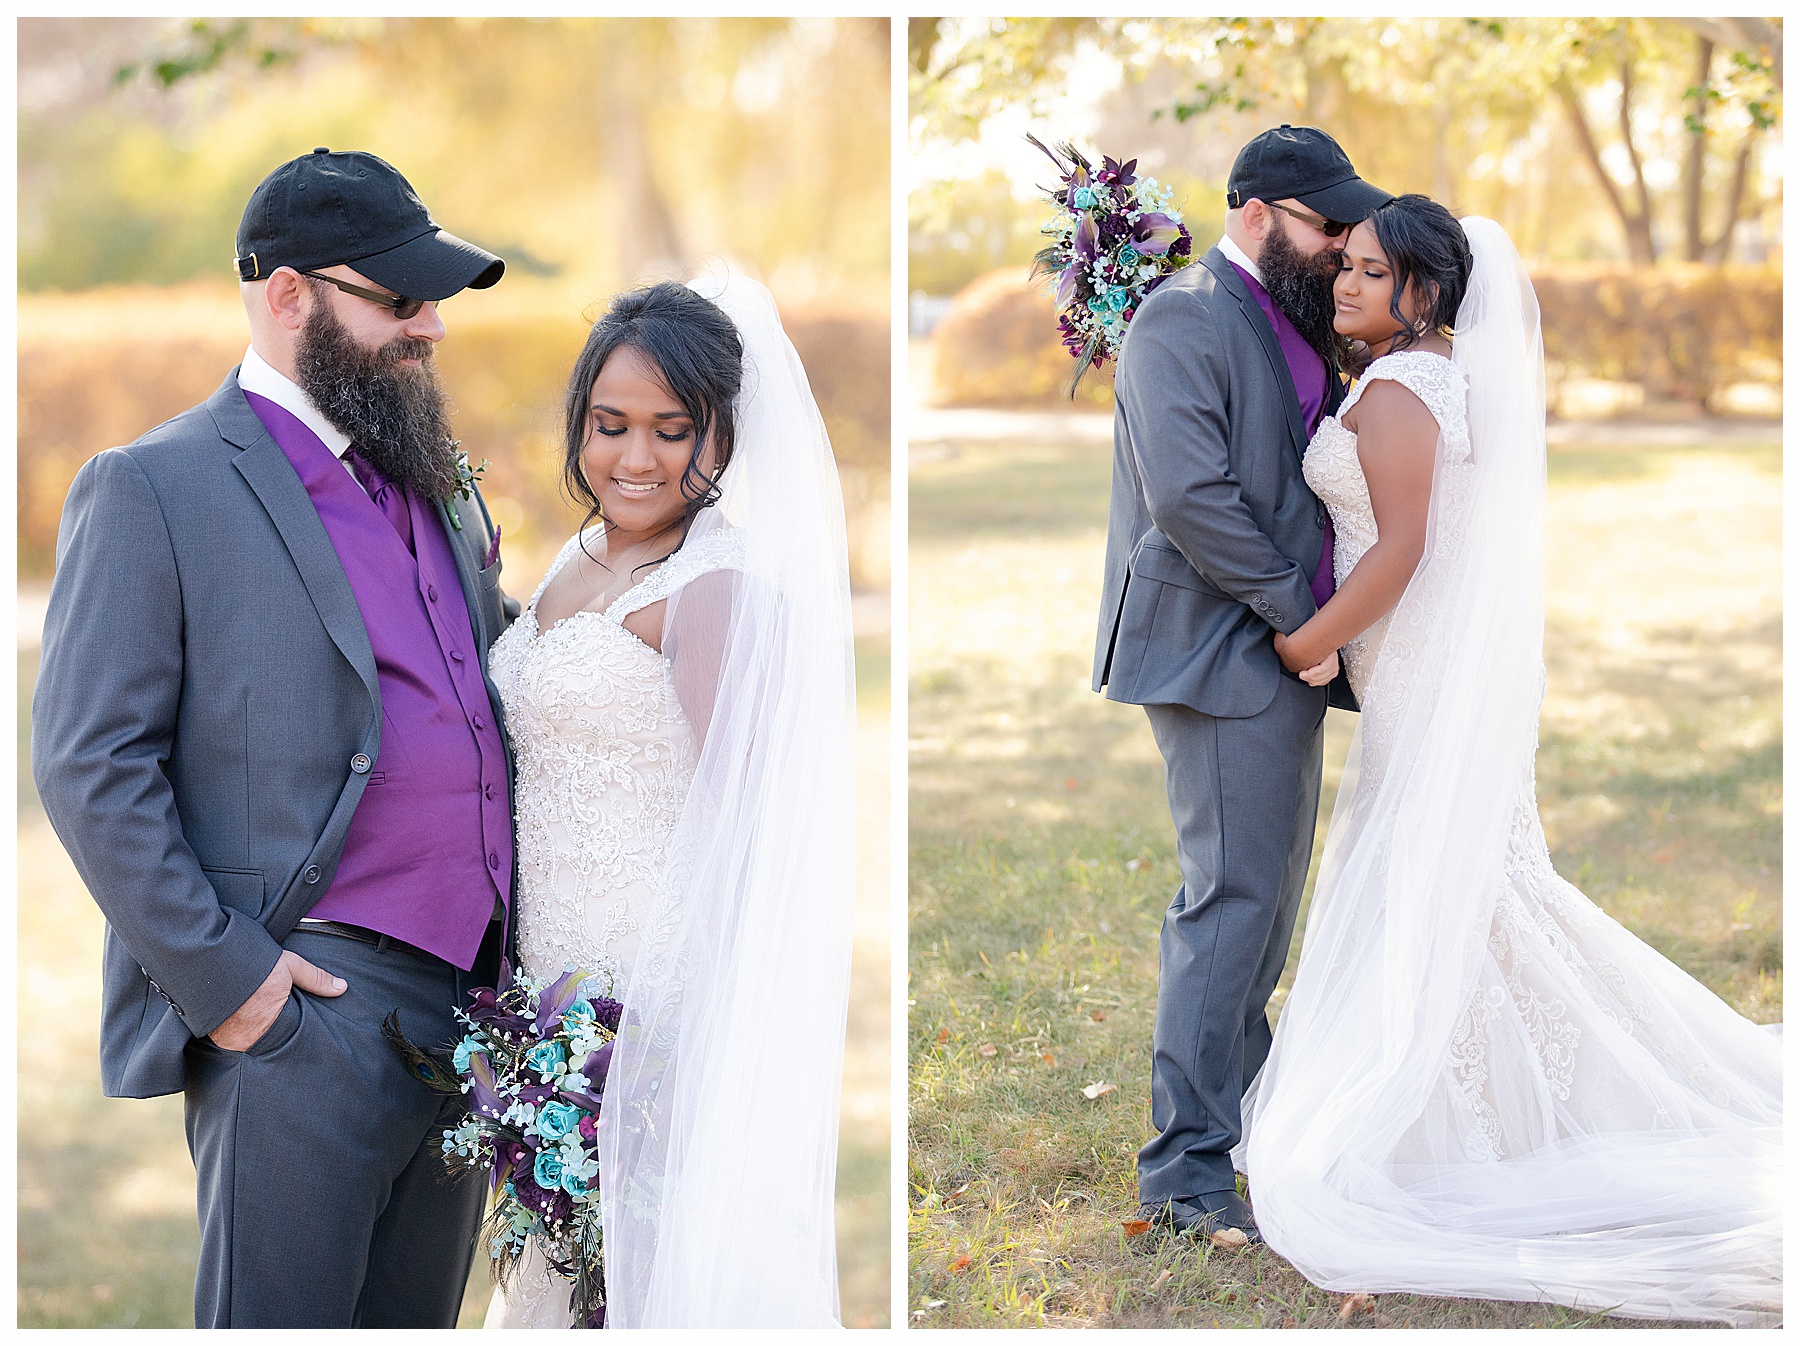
pixel 1198 1216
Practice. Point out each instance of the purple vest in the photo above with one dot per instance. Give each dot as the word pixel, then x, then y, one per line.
pixel 1307 368
pixel 430 846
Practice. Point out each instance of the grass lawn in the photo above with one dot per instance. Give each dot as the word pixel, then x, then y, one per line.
pixel 1042 852
pixel 108 1235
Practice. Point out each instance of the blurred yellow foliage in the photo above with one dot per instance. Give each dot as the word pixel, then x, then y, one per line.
pixel 1684 332
pixel 99 368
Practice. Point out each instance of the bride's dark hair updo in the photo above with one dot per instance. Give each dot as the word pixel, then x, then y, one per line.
pixel 700 357
pixel 1425 246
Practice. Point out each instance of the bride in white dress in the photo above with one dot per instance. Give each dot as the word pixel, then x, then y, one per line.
pixel 1480 1084
pixel 678 695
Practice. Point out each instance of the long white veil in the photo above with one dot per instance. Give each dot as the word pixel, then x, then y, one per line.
pixel 718 1136
pixel 1480 1084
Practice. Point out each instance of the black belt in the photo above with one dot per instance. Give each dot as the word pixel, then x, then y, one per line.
pixel 361 936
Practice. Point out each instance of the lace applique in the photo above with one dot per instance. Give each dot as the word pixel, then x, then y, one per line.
pixel 1334 472
pixel 604 756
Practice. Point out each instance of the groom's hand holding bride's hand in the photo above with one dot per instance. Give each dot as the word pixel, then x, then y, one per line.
pixel 252 1018
pixel 1313 670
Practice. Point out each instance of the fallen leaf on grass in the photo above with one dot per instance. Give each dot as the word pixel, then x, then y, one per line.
pixel 958 1192
pixel 943 1036
pixel 1162 1280
pixel 987 1049
pixel 1135 1228
pixel 1098 1016
pixel 1229 1240
pixel 961 1263
pixel 936 1303
pixel 1099 1089
pixel 1290 1321
pixel 1049 1058
pixel 1354 1304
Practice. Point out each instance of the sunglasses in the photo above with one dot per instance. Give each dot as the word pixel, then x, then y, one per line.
pixel 403 307
pixel 1329 228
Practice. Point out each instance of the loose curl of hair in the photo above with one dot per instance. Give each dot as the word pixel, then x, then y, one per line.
pixel 1427 248
pixel 700 358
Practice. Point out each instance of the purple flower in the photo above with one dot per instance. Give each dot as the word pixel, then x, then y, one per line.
pixel 608 1011
pixel 595 1067
pixel 1154 232
pixel 484 1099
pixel 1113 171
pixel 556 998
pixel 554 1206
pixel 1087 238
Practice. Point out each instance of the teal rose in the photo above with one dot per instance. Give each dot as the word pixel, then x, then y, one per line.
pixel 555 1120
pixel 1118 300
pixel 1128 256
pixel 545 1058
pixel 547 1172
pixel 1085 198
pixel 577 1014
pixel 464 1050
pixel 571 1184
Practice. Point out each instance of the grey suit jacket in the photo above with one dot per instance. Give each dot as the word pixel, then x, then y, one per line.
pixel 1213 534
pixel 206 680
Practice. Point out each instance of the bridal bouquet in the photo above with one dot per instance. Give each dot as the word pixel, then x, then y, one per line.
pixel 532 1067
pixel 1117 239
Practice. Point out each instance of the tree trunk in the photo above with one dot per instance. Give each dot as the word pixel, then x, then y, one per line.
pixel 1638 223
pixel 1693 167
pixel 1635 238
pixel 1720 248
pixel 649 239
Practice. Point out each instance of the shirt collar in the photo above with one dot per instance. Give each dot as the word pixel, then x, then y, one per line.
pixel 257 375
pixel 1233 253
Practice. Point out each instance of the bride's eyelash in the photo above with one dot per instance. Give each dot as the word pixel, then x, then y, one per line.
pixel 666 438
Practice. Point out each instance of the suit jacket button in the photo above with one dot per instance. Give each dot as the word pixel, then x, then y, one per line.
pixel 360 763
pixel 312 873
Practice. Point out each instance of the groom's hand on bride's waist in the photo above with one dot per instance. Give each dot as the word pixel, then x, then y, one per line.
pixel 252 1018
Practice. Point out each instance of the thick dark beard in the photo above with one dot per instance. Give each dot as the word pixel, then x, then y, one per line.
pixel 1301 287
pixel 394 414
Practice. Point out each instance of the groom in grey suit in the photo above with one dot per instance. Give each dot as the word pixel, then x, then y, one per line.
pixel 264 732
pixel 1214 543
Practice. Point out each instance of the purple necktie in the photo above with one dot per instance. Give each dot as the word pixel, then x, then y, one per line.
pixel 383 492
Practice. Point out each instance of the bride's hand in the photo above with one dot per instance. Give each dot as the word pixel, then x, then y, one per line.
pixel 1321 673
pixel 1290 650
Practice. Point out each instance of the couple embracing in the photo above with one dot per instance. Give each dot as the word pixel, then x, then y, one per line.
pixel 317 770
pixel 1480 1085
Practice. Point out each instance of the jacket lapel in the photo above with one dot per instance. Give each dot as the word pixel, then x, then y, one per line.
pixel 268 472
pixel 1220 265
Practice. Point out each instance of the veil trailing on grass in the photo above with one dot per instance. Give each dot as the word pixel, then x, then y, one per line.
pixel 718 1136
pixel 1481 1085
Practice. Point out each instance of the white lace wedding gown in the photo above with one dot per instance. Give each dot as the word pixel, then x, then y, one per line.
pixel 1481 1085
pixel 604 756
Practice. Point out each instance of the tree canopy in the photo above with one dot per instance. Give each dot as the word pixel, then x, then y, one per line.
pixel 1589 138
pixel 598 150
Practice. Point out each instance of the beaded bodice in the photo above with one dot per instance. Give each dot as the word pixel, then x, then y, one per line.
pixel 604 756
pixel 1334 471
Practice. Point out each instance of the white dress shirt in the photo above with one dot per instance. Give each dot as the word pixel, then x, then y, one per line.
pixel 257 375
pixel 1233 253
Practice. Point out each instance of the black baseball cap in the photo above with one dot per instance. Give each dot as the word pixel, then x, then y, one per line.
pixel 324 209
pixel 1303 163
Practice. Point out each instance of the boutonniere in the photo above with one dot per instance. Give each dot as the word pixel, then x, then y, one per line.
pixel 467 474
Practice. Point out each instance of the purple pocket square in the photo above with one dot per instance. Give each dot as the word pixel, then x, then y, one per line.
pixel 493 552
